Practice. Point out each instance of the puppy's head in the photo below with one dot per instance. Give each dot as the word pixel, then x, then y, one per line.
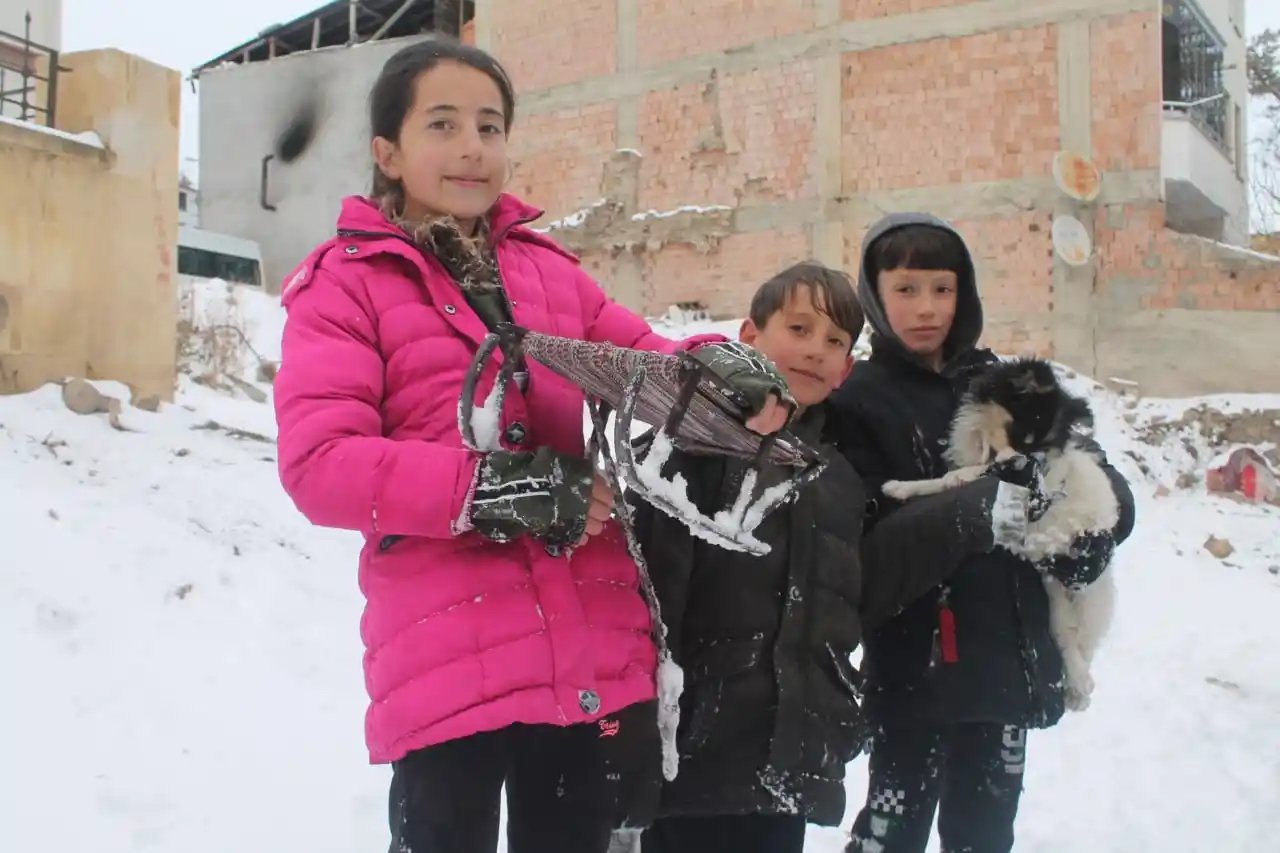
pixel 1037 413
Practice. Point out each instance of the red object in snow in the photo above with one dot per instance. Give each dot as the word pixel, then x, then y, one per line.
pixel 1247 474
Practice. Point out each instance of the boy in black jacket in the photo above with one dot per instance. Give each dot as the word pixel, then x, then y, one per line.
pixel 769 716
pixel 954 681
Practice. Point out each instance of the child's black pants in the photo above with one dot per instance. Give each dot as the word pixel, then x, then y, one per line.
pixel 970 774
pixel 748 833
pixel 567 787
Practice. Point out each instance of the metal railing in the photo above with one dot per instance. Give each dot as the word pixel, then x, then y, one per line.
pixel 1194 56
pixel 24 66
pixel 1209 116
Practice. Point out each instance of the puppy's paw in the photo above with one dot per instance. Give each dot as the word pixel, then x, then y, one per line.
pixel 1079 691
pixel 1075 700
pixel 899 490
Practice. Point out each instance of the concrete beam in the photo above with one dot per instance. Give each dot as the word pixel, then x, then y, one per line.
pixel 832 39
pixel 826 238
pixel 955 202
pixel 995 199
pixel 610 228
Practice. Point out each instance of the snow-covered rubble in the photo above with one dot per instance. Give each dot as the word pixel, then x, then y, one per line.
pixel 181 649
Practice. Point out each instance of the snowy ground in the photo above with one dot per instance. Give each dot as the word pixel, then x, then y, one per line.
pixel 182 655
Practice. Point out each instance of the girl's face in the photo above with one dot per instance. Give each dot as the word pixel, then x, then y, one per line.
pixel 451 158
pixel 920 306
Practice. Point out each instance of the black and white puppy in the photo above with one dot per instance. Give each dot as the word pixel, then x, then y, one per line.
pixel 1018 408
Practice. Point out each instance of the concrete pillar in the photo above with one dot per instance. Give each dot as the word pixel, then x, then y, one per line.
pixel 482 33
pixel 628 105
pixel 1074 315
pixel 827 234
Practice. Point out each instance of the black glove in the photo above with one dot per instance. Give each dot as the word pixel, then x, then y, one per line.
pixel 1027 472
pixel 542 494
pixel 748 372
pixel 1088 558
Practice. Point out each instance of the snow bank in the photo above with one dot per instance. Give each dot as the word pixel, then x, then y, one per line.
pixel 182 659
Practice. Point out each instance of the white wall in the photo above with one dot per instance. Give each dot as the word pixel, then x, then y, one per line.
pixel 1187 155
pixel 242 110
pixel 46 20
pixel 1227 17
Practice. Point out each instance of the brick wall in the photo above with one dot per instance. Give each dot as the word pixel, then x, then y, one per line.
pixel 861 10
pixel 543 43
pixel 1162 270
pixel 557 158
pixel 675 29
pixel 729 141
pixel 911 110
pixel 809 119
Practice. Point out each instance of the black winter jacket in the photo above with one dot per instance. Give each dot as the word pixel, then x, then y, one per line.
pixel 769 717
pixel 891 419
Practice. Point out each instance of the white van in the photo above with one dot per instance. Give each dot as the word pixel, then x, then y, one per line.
pixel 208 254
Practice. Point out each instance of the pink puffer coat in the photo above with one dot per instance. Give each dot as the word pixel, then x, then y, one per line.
pixel 462 635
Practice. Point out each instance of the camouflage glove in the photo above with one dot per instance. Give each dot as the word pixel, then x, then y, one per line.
pixel 543 494
pixel 1027 472
pixel 747 371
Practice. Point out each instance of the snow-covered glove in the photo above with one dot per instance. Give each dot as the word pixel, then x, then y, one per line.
pixel 1088 558
pixel 748 372
pixel 1028 473
pixel 542 494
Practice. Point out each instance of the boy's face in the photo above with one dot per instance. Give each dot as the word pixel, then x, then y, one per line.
pixel 812 352
pixel 920 306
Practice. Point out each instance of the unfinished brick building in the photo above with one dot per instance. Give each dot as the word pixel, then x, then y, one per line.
pixel 697 147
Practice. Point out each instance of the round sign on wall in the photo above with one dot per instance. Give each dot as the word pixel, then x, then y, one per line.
pixel 1077 176
pixel 1071 241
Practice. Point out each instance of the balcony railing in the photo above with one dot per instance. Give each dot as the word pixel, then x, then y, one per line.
pixel 28 78
pixel 1194 57
pixel 1209 116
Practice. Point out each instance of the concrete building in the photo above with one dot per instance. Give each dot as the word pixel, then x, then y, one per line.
pixel 88 229
pixel 188 202
pixel 1205 133
pixel 325 60
pixel 696 147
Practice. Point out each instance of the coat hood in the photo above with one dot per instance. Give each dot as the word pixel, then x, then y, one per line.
pixel 966 328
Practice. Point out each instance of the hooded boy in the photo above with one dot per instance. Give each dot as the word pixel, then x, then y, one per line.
pixel 954 681
pixel 769 714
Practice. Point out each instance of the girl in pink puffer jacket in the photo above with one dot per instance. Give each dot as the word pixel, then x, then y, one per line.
pixel 492 656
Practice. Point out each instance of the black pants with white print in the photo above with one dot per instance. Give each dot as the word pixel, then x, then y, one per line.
pixel 970 774
pixel 739 833
pixel 567 787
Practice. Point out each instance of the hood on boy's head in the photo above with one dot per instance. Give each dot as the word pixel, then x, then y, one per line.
pixel 966 328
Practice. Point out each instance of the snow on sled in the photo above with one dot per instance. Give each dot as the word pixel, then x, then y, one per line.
pixel 691 408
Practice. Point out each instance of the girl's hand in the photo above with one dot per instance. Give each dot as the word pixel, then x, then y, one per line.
pixel 600 509
pixel 543 494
